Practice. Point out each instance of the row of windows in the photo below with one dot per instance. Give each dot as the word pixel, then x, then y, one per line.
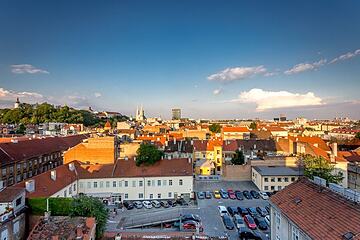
pixel 134 183
pixel 151 196
pixel 272 188
pixel 279 179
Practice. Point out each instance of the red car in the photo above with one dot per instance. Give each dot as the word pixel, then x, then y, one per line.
pixel 231 194
pixel 192 225
pixel 250 222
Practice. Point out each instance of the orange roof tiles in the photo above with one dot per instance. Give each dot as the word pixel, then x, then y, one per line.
pixel 235 129
pixel 320 214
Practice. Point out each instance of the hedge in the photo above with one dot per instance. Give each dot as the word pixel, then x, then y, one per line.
pixel 57 206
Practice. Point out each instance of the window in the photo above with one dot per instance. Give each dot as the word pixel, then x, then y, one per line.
pixel 180 182
pixel 279 179
pixel 89 185
pixel 273 179
pixel 218 152
pixel 293 179
pixel 140 183
pixel 151 196
pixel 18 202
pixel 170 182
pixel 70 190
pixel 295 233
pixel 74 187
pixel 159 195
pixel 126 196
pixel 272 188
pixel 266 179
pixel 16 227
pixel 149 183
pixel 114 183
pixel 170 194
pixel 107 184
pixel 266 188
pixel 3 172
pixel 164 182
pixel 133 183
pixel 279 187
pixel 286 179
pixel 120 183
pixel 25 165
pixel 101 184
pixel 95 184
pixel 159 183
pixel 11 169
pixel 65 193
pixel 152 182
pixel 141 195
pixel 126 184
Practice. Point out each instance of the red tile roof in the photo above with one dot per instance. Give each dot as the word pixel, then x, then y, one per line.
pixel 235 129
pixel 10 193
pixel 320 214
pixel 311 140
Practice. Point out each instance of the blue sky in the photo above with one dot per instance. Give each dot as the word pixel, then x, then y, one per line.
pixel 213 59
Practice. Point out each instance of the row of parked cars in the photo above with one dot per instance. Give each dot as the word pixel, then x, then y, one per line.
pixel 231 194
pixel 245 219
pixel 154 204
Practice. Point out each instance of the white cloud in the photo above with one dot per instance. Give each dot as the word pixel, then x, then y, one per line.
pixel 217 91
pixel 236 73
pixel 26 68
pixel 302 67
pixel 97 94
pixel 346 56
pixel 266 100
pixel 8 97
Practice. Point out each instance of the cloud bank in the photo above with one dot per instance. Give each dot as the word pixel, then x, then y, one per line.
pixel 266 100
pixel 236 73
pixel 303 67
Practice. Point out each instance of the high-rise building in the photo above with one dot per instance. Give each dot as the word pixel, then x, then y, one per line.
pixel 176 113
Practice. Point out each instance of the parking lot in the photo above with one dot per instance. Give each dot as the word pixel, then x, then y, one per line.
pixel 208 211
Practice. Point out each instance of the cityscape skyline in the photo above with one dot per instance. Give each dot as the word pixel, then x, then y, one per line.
pixel 234 60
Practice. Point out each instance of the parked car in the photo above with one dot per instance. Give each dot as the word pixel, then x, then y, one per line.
pixel 228 222
pixel 247 194
pixel 232 210
pixel 192 225
pixel 138 204
pixel 263 195
pixel 243 211
pixel 261 224
pixel 172 203
pixel 192 217
pixel 267 219
pixel 245 233
pixel 239 221
pixel 147 204
pixel 182 202
pixel 250 222
pixel 128 205
pixel 239 195
pixel 217 194
pixel 155 203
pixel 267 207
pixel 208 195
pixel 255 194
pixel 231 194
pixel 224 194
pixel 201 195
pixel 164 204
pixel 222 210
pixel 253 212
pixel 262 211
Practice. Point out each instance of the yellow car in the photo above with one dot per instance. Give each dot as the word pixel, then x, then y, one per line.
pixel 217 194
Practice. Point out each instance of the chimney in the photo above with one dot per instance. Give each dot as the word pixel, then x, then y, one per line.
pixel 71 166
pixel 53 175
pixel 79 232
pixel 334 149
pixel 189 160
pixel 30 185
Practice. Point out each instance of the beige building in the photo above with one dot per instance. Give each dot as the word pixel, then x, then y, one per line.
pixel 274 178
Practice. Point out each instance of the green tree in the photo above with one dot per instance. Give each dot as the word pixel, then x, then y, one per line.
pixel 21 129
pixel 215 128
pixel 253 125
pixel 357 135
pixel 148 154
pixel 86 206
pixel 320 167
pixel 239 158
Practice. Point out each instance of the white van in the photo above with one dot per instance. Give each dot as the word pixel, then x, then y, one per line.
pixel 223 210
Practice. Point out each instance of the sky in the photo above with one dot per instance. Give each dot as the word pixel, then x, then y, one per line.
pixel 213 59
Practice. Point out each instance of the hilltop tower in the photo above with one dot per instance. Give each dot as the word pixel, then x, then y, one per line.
pixel 17 103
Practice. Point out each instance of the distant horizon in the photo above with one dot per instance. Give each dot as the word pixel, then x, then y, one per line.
pixel 217 60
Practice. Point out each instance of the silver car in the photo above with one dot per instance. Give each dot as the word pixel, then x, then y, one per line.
pixel 147 204
pixel 239 221
pixel 156 204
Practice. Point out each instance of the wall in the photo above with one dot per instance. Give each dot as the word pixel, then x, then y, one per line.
pixel 237 172
pixel 129 149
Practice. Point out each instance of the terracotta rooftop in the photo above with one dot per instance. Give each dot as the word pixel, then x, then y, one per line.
pixel 320 214
pixel 10 193
pixel 235 129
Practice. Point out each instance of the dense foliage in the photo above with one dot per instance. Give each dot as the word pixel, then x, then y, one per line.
pixel 215 128
pixel 57 206
pixel 42 113
pixel 320 167
pixel 253 125
pixel 148 154
pixel 357 135
pixel 86 206
pixel 239 158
